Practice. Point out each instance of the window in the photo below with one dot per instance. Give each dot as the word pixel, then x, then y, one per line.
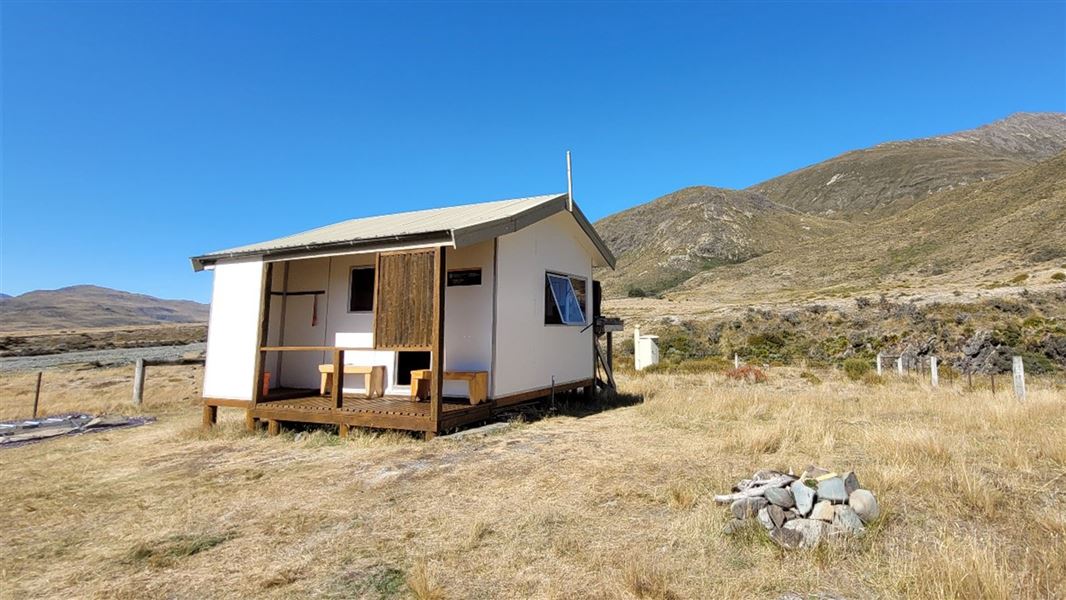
pixel 564 299
pixel 361 293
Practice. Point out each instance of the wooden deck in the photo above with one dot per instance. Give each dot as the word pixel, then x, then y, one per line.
pixel 388 412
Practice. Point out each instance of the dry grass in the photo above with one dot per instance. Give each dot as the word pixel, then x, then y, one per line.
pixel 612 505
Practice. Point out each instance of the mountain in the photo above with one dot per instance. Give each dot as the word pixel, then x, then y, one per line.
pixel 666 241
pixel 889 177
pixel 888 208
pixel 1011 230
pixel 86 306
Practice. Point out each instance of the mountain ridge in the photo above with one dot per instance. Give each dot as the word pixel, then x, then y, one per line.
pixel 92 306
pixel 662 243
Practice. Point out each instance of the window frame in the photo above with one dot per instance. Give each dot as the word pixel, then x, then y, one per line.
pixel 550 291
pixel 373 285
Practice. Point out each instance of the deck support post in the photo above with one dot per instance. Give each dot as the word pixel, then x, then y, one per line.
pixel 273 427
pixel 249 421
pixel 342 431
pixel 261 339
pixel 337 393
pixel 436 398
pixel 210 415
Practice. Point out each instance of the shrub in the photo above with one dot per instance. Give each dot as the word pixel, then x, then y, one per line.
pixel 1058 276
pixel 748 373
pixel 1019 278
pixel 636 292
pixel 856 368
pixel 810 378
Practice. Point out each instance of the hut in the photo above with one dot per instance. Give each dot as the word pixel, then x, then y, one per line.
pixel 421 321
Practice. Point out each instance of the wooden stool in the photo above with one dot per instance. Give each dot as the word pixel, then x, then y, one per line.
pixel 373 378
pixel 477 381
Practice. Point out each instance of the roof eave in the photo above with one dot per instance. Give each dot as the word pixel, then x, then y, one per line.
pixel 381 244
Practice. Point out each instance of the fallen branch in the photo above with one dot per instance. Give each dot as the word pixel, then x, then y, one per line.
pixel 756 490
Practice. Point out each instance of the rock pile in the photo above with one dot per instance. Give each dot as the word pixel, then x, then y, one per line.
pixel 799 512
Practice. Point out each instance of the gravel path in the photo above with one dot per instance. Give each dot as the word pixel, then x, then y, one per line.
pixel 113 357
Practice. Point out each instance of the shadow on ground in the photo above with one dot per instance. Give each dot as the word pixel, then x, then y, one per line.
pixel 570 404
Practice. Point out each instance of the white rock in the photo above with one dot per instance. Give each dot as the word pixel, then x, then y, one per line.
pixel 864 504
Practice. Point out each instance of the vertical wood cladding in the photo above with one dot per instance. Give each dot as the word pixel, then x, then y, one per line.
pixel 403 300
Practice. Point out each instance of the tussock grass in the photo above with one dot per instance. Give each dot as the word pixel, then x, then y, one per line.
pixel 607 504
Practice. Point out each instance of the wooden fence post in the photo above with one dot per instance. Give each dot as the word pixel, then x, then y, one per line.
pixel 899 365
pixel 37 394
pixel 934 372
pixel 878 364
pixel 1019 377
pixel 138 382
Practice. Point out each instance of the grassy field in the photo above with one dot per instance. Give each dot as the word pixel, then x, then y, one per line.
pixel 614 504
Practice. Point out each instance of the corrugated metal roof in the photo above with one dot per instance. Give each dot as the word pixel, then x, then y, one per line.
pixel 461 224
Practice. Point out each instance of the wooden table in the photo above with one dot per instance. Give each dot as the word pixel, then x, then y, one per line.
pixel 478 382
pixel 373 378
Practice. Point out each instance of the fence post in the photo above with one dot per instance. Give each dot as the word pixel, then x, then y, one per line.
pixel 736 361
pixel 138 382
pixel 1019 378
pixel 37 393
pixel 934 372
pixel 878 364
pixel 899 366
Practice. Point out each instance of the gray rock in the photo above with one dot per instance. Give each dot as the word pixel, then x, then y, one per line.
pixel 747 507
pixel 803 496
pixel 764 518
pixel 823 511
pixel 846 520
pixel 851 482
pixel 832 489
pixel 780 496
pixel 864 504
pixel 810 530
pixel 787 538
pixel 777 515
pixel 791 514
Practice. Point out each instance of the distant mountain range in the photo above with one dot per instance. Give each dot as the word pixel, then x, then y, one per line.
pixel 974 207
pixel 88 306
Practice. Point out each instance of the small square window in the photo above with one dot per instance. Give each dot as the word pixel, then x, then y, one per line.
pixel 361 293
pixel 564 299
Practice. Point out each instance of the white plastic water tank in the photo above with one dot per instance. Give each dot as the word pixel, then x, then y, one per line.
pixel 645 350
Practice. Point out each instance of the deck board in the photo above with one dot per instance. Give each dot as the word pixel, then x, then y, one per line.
pixel 392 412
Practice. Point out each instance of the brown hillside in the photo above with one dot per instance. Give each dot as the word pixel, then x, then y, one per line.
pixel 85 306
pixel 1009 230
pixel 873 182
pixel 664 242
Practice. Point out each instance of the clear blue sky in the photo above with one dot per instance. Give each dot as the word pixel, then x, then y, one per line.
pixel 136 135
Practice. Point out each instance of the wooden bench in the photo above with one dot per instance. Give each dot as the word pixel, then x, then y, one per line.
pixel 373 378
pixel 478 382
